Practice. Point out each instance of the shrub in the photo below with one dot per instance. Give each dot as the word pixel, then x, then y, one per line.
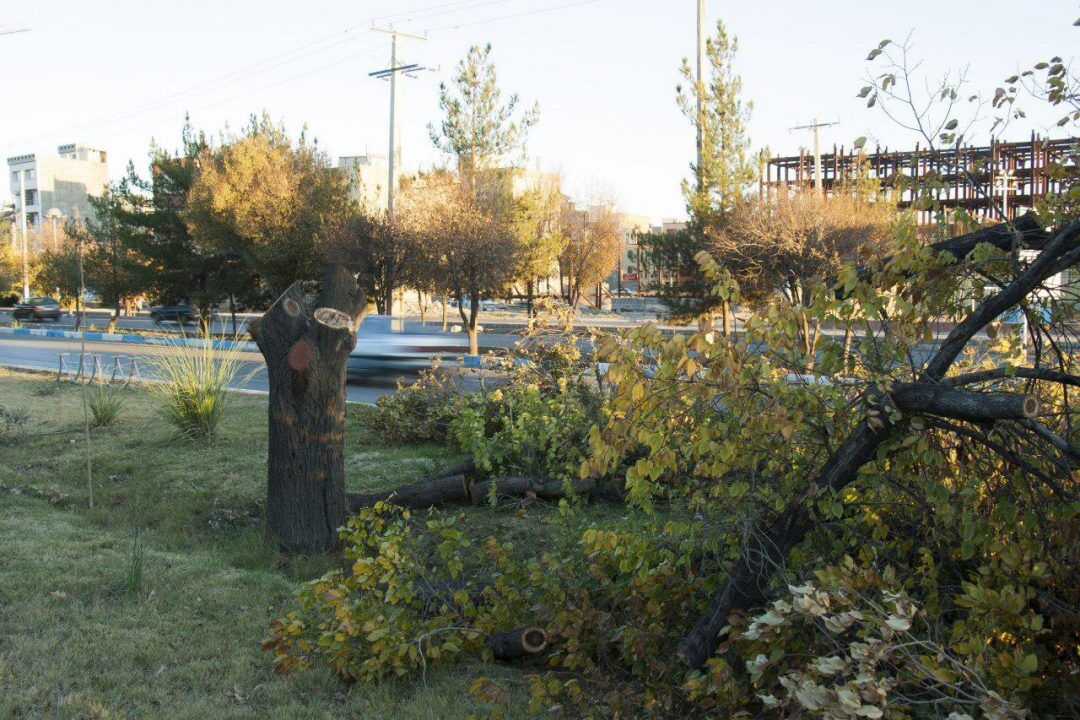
pixel 521 429
pixel 192 384
pixel 10 420
pixel 105 403
pixel 538 421
pixel 416 413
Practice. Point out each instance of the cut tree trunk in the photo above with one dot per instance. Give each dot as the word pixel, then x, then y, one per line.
pixel 306 343
pixel 934 399
pixel 516 644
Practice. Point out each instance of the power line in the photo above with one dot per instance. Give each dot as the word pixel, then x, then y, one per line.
pixel 473 6
pixel 514 15
pixel 273 62
pixel 217 84
pixel 224 101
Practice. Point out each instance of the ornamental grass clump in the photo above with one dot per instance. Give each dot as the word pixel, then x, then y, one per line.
pixel 105 403
pixel 192 383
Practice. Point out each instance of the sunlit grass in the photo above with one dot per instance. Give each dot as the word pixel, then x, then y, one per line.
pixel 97 624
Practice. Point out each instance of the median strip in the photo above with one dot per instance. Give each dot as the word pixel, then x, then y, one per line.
pixel 129 338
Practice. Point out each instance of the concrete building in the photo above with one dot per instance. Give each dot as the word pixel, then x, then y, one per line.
pixel 368 177
pixel 57 188
pixel 636 272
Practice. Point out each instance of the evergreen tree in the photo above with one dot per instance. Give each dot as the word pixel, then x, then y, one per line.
pixel 720 179
pixel 479 130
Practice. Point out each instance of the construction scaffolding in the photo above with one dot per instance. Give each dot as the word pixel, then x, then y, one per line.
pixel 1014 175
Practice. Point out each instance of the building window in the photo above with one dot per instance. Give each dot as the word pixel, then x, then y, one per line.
pixel 31 197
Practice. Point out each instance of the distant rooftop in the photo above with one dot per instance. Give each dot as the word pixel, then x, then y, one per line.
pixel 69 151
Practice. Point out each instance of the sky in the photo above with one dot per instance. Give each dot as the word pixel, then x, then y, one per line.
pixel 120 74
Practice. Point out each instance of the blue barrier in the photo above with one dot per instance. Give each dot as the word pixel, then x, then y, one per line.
pixel 128 338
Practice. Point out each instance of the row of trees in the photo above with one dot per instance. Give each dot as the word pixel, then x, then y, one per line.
pixel 236 221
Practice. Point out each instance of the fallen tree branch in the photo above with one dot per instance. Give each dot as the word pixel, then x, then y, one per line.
pixel 1025 230
pixel 1060 444
pixel 1006 453
pixel 1006 373
pixel 748 582
pixel 935 399
pixel 454 489
pixel 545 488
pixel 420 494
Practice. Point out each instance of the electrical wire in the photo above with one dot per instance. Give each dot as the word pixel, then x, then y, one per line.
pixel 514 15
pixel 312 47
pixel 224 101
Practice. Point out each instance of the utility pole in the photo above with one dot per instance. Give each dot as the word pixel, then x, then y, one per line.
pixel 700 88
pixel 391 73
pixel 816 126
pixel 22 232
pixel 1006 182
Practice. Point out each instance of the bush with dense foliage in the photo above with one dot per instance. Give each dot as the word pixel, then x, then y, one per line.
pixel 418 412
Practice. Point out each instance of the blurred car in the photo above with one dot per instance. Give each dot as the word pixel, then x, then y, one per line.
pixel 180 312
pixel 379 348
pixel 37 309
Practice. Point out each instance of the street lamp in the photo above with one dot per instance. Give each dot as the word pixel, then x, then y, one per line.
pixel 22 232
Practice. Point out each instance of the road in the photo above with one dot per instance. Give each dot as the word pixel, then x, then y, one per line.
pixel 43 354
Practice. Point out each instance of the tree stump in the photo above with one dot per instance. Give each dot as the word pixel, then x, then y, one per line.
pixel 306 343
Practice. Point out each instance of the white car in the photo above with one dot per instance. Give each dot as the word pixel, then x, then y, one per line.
pixel 382 348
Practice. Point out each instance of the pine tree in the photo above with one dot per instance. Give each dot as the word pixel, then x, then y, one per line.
pixel 478 129
pixel 720 179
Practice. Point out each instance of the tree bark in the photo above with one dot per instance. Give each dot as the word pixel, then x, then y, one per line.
pixel 306 343
pixel 934 399
pixel 454 489
pixel 516 644
pixel 420 494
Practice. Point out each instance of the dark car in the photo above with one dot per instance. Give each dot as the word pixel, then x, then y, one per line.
pixel 180 312
pixel 37 308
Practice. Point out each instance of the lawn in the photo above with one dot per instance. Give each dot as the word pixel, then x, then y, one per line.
pixel 152 605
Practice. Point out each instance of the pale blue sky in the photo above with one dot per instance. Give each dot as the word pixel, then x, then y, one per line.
pixel 115 74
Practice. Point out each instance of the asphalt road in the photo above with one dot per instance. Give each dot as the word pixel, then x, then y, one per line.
pixel 43 354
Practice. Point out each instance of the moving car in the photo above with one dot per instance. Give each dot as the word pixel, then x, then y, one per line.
pixel 380 348
pixel 180 312
pixel 37 309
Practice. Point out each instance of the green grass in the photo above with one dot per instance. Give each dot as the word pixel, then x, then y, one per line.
pixel 91 627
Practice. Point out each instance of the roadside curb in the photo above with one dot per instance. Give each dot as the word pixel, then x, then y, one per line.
pixel 129 338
